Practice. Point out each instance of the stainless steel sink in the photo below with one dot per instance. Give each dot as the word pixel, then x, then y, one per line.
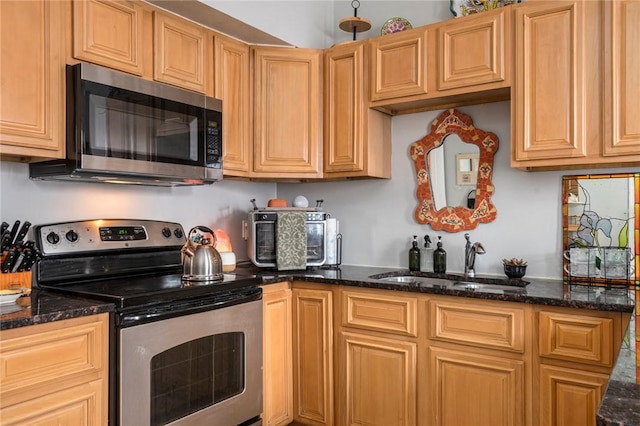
pixel 452 281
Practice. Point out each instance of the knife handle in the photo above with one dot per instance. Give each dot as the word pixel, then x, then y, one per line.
pixel 22 232
pixel 8 261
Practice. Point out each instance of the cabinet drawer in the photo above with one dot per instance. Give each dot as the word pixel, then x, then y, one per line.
pixel 576 338
pixel 50 356
pixel 477 325
pixel 386 313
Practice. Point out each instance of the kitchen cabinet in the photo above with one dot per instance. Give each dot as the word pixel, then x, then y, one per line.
pixel 474 53
pixel 357 139
pixel 622 83
pixel 399 64
pixel 287 113
pixel 313 354
pixel 55 372
pixel 462 61
pixel 377 359
pixel 110 33
pixel 180 49
pixel 575 354
pixel 559 120
pixel 32 80
pixel 277 355
pixel 478 362
pixel 233 85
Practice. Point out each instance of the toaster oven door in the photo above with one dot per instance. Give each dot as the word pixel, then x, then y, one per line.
pixel 263 246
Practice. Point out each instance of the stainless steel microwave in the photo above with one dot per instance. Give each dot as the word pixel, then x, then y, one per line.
pixel 124 129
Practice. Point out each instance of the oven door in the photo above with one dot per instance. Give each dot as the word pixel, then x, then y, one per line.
pixel 262 242
pixel 202 368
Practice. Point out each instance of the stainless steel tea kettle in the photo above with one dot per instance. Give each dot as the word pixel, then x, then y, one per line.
pixel 200 260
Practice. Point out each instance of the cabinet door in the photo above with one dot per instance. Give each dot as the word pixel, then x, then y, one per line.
pixel 472 51
pixel 286 112
pixel 313 356
pixel 473 389
pixel 379 380
pixel 179 52
pixel 278 365
pixel 549 81
pixel 357 140
pixel 109 33
pixel 622 79
pixel 77 405
pixel 399 65
pixel 32 79
pixel 569 397
pixel 232 85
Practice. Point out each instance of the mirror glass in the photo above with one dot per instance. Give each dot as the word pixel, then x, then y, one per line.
pixel 601 228
pixel 453 169
pixel 454 178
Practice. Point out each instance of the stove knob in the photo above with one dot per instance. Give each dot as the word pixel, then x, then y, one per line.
pixel 53 238
pixel 166 232
pixel 178 233
pixel 72 236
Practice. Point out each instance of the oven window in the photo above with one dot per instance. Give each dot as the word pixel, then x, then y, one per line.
pixel 196 375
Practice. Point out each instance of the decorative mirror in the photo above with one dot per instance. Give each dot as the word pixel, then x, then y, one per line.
pixel 601 229
pixel 454 179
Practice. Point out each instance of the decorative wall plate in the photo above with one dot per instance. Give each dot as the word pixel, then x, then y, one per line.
pixel 395 25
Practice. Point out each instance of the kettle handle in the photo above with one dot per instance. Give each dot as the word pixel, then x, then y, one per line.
pixel 204 230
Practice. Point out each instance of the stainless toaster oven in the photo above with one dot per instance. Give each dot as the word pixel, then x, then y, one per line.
pixel 262 241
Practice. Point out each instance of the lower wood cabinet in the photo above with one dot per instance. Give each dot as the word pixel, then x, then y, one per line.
pixel 313 354
pixel 55 373
pixel 570 397
pixel 416 359
pixel 277 379
pixel 466 388
pixel 378 379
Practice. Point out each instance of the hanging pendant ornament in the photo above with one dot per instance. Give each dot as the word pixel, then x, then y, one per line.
pixel 354 23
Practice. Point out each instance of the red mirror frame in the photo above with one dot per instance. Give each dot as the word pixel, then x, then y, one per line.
pixel 455 219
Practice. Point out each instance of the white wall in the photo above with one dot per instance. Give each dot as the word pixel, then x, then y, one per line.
pixel 222 205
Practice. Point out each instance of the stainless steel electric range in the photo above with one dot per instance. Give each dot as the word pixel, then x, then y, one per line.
pixel 182 353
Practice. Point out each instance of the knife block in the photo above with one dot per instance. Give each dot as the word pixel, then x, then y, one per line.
pixel 15 280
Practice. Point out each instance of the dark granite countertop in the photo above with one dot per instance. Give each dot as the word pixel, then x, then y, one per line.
pixel 620 405
pixel 42 307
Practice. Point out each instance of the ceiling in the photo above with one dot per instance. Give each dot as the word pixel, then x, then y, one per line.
pixel 203 14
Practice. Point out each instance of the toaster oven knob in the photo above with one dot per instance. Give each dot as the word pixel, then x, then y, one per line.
pixel 166 232
pixel 72 236
pixel 53 238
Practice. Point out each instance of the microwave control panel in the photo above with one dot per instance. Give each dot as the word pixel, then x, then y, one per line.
pixel 213 142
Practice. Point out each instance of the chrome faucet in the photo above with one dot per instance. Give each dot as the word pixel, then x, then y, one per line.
pixel 470 251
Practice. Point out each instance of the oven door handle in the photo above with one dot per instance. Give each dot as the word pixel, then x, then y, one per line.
pixel 143 315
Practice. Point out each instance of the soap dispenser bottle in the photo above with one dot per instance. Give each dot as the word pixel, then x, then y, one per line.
pixel 426 256
pixel 414 255
pixel 440 258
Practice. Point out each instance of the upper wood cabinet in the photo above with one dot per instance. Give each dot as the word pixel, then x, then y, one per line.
pixel 32 79
pixel 109 33
pixel 287 113
pixel 622 85
pixel 399 64
pixel 180 49
pixel 357 139
pixel 572 108
pixel 233 85
pixel 456 62
pixel 473 51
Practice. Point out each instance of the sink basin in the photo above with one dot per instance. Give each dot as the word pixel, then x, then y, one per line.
pixel 452 281
pixel 415 280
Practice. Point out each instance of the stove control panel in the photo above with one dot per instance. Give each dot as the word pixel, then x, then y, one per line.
pixel 107 234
